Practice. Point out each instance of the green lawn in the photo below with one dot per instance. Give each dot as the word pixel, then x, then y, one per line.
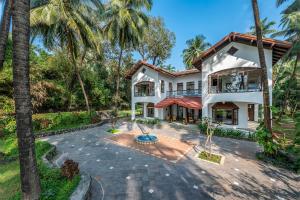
pixel 54 186
pixel 285 128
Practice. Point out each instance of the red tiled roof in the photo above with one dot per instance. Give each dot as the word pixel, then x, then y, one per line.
pixel 279 47
pixel 159 69
pixel 188 102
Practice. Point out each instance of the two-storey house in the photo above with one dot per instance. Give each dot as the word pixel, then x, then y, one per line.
pixel 226 84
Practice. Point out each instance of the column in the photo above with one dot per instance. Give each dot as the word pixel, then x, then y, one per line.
pixel 132 110
pixel 145 110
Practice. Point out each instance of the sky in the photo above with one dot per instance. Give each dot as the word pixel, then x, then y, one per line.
pixel 212 18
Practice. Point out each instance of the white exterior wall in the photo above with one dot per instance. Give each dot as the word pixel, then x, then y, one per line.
pixel 246 56
pixel 154 76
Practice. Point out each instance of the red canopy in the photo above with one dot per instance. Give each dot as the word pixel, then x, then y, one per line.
pixel 188 102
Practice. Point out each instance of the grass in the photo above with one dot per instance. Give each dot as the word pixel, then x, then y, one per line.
pixel 210 157
pixel 285 127
pixel 113 130
pixel 53 185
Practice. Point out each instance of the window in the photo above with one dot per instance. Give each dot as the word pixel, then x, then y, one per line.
pixel 150 110
pixel 144 88
pixel 214 82
pixel 190 86
pixel 170 87
pixel 162 86
pixel 199 87
pixel 179 86
pixel 232 50
pixel 143 70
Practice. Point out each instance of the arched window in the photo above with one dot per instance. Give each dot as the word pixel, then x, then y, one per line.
pixel 226 113
pixel 144 88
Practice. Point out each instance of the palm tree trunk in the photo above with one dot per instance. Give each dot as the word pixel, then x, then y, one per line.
pixel 118 78
pixel 30 182
pixel 5 23
pixel 81 83
pixel 266 95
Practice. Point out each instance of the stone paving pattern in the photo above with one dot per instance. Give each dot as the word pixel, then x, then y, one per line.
pixel 124 173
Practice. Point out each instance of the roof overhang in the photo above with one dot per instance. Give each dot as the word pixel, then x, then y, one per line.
pixel 279 48
pixel 187 102
pixel 141 63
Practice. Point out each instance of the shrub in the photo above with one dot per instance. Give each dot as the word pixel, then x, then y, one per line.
pixel 69 169
pixel 265 139
pixel 148 121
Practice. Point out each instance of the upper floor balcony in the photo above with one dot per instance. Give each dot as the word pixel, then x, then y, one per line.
pixel 144 89
pixel 235 81
pixel 182 93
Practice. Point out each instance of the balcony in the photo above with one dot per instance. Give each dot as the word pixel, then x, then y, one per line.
pixel 238 80
pixel 182 93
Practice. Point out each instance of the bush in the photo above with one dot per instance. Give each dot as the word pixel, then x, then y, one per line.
pixel 148 121
pixel 69 169
pixel 265 139
pixel 231 133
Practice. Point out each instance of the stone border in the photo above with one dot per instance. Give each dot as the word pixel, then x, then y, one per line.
pixel 58 132
pixel 83 190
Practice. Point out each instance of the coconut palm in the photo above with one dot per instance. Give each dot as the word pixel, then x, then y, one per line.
pixel 262 61
pixel 125 25
pixel 266 28
pixel 4 29
pixel 290 22
pixel 195 47
pixel 71 25
pixel 30 183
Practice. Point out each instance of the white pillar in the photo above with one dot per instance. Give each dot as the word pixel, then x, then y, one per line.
pixel 156 112
pixel 256 112
pixel 132 110
pixel 145 109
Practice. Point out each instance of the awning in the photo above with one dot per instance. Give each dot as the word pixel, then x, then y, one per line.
pixel 188 102
pixel 226 105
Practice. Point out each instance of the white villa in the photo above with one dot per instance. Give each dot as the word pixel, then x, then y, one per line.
pixel 225 84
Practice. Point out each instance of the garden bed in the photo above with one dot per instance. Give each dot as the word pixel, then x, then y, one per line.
pixel 211 157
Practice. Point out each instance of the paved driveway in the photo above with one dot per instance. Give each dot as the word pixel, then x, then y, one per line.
pixel 124 173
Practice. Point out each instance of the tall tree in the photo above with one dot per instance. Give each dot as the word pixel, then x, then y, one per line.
pixel 157 42
pixel 290 23
pixel 195 47
pixel 262 61
pixel 4 29
pixel 125 25
pixel 30 183
pixel 266 28
pixel 69 24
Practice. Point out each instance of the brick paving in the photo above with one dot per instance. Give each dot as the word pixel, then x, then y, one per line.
pixel 124 173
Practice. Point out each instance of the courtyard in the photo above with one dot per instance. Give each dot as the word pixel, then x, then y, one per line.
pixel 121 172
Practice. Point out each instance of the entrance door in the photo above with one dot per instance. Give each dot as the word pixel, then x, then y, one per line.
pixel 150 110
pixel 251 112
pixel 179 112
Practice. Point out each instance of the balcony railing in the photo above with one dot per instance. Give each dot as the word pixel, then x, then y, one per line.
pixel 144 94
pixel 233 90
pixel 180 93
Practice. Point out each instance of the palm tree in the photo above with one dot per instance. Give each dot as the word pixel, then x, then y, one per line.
pixel 125 26
pixel 30 182
pixel 4 29
pixel 195 47
pixel 290 22
pixel 266 28
pixel 262 61
pixel 70 24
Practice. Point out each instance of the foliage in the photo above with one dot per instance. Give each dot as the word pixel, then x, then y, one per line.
pixel 266 28
pixel 69 169
pixel 54 186
pixel 195 47
pixel 113 130
pixel 210 157
pixel 266 140
pixel 157 42
pixel 227 132
pixel 148 121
